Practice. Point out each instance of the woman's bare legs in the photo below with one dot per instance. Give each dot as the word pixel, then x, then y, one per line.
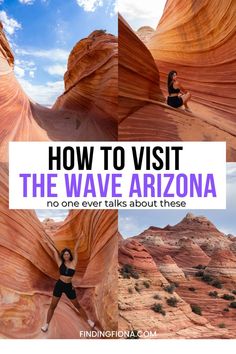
pixel 51 310
pixel 186 97
pixel 79 308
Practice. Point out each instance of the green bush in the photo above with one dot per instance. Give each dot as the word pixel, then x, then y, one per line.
pixel 158 308
pixel 199 273
pixel 207 278
pixel 234 292
pixel 217 284
pixel 127 271
pixel 157 297
pixel 146 284
pixel 172 301
pixel 191 289
pixel 228 297
pixel 196 309
pixel 170 288
pixel 233 305
pixel 213 293
pixel 226 309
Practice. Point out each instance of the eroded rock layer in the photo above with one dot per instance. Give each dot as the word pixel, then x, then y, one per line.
pixel 86 111
pixel 173 287
pixel 197 40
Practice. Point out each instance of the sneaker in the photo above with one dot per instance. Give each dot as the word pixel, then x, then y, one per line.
pixel 91 323
pixel 45 327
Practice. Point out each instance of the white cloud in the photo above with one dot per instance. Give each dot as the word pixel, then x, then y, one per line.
pixel 1 1
pixel 56 69
pixel 10 25
pixel 90 5
pixel 27 2
pixel 59 55
pixel 20 72
pixel 142 12
pixel 43 94
pixel 129 226
pixel 31 74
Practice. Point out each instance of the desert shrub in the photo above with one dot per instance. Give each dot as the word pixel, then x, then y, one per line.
pixel 234 292
pixel 207 278
pixel 200 266
pixel 133 334
pixel 226 309
pixel 170 288
pixel 158 308
pixel 176 284
pixel 130 290
pixel 146 284
pixel 228 297
pixel 191 289
pixel 233 304
pixel 199 274
pixel 196 309
pixel 157 297
pixel 127 271
pixel 217 284
pixel 172 301
pixel 213 293
pixel 221 325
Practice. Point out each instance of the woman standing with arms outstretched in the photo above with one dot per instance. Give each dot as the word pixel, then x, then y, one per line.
pixel 67 264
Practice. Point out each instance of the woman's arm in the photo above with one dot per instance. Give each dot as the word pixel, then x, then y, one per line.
pixel 182 89
pixel 55 253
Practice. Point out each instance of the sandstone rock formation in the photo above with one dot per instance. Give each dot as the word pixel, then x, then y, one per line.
pixel 86 111
pixel 201 285
pixel 138 74
pixel 197 41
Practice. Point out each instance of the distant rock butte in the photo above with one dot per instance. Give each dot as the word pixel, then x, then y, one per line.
pixel 174 261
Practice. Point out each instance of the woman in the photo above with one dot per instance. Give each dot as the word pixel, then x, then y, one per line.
pixel 178 96
pixel 67 264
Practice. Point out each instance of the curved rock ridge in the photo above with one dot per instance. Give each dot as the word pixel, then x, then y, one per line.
pixel 196 280
pixel 190 254
pixel 92 74
pixel 85 112
pixel 223 266
pixel 134 253
pixel 170 270
pixel 196 40
pixel 138 74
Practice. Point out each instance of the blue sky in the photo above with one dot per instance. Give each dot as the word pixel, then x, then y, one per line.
pixel 140 13
pixel 43 32
pixel 132 222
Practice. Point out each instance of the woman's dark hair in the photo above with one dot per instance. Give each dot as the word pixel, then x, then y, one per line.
pixel 170 79
pixel 62 254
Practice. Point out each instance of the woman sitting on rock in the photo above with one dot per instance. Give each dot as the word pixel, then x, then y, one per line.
pixel 67 264
pixel 178 96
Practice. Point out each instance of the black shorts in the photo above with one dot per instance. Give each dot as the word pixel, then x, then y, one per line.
pixel 67 288
pixel 175 101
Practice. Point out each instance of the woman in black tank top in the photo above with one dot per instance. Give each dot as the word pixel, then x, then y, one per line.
pixel 67 264
pixel 178 96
